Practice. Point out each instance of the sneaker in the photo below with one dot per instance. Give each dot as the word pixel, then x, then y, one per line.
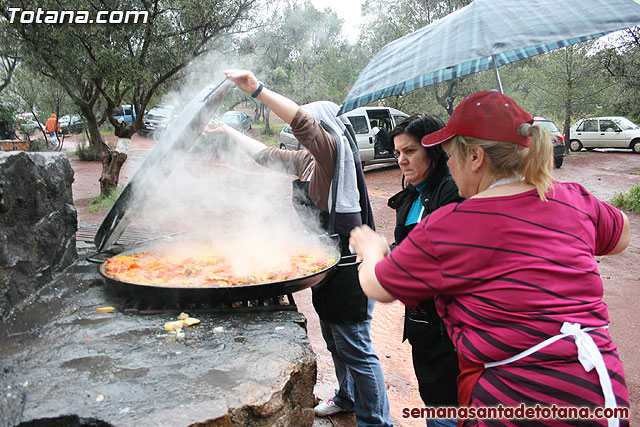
pixel 327 408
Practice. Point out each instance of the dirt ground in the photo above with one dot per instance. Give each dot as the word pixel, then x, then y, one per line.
pixel 603 173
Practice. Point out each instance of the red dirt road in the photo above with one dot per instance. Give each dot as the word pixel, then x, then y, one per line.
pixel 602 173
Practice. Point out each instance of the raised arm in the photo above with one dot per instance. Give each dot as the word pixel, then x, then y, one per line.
pixel 246 143
pixel 247 82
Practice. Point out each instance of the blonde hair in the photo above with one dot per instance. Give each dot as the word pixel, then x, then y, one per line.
pixel 534 163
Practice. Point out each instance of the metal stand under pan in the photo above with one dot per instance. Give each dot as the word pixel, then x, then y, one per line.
pixel 141 306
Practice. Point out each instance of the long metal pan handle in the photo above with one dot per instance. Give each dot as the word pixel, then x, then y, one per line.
pixel 348 261
pixel 170 148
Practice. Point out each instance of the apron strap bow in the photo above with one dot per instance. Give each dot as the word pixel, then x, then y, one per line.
pixel 589 357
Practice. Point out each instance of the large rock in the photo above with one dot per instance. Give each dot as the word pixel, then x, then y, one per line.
pixel 37 224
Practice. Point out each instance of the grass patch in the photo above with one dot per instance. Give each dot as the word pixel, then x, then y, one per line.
pixel 104 203
pixel 630 201
pixel 274 138
pixel 635 173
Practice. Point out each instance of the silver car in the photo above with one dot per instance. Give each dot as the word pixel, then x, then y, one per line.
pixel 605 132
pixel 287 140
pixel 238 120
pixel 361 120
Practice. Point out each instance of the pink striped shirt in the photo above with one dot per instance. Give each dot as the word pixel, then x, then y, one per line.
pixel 508 271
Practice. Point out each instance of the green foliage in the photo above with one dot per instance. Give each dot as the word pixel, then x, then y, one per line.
pixel 630 201
pixel 103 203
pixel 620 58
pixel 100 66
pixel 303 56
pixel 6 121
pixel 86 152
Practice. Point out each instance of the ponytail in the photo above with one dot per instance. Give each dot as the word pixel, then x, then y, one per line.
pixel 538 162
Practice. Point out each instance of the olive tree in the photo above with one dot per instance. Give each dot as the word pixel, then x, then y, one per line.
pixel 113 62
pixel 303 55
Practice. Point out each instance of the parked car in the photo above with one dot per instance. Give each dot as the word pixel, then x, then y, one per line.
pixel 386 118
pixel 604 132
pixel 360 120
pixel 238 120
pixel 157 119
pixel 125 112
pixel 22 116
pixel 287 140
pixel 72 123
pixel 28 125
pixel 558 138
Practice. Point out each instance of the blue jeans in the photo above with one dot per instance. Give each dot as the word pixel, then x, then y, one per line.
pixel 358 370
pixel 442 422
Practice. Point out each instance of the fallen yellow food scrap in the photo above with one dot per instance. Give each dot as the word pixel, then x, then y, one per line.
pixel 174 326
pixel 183 316
pixel 190 321
pixel 105 309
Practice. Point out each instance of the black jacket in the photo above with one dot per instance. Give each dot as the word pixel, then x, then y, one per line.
pixel 434 356
pixel 442 192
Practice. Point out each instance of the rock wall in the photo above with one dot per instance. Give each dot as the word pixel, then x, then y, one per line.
pixel 37 224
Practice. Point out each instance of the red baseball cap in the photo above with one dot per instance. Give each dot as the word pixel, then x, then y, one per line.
pixel 484 115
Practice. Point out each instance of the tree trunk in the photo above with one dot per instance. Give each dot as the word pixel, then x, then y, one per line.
pixel 267 127
pixel 567 124
pixel 447 99
pixel 112 160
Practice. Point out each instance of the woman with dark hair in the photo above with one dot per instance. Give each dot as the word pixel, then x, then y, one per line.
pixel 429 185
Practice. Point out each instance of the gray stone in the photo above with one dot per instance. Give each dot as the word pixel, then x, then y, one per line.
pixel 37 224
pixel 61 363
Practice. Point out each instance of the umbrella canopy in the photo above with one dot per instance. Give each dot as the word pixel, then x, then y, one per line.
pixel 483 34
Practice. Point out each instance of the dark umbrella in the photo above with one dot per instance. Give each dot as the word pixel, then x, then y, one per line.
pixel 484 34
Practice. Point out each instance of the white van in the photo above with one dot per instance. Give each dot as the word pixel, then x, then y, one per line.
pixel 361 118
pixel 385 118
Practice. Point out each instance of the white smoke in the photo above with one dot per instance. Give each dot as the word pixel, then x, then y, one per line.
pixel 217 194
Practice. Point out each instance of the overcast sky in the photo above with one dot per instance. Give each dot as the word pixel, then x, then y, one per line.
pixel 348 10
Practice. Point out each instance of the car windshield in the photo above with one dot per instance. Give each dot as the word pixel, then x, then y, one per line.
pixel 235 118
pixel 625 123
pixel 550 126
pixel 159 111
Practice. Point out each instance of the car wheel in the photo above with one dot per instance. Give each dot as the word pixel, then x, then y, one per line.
pixel 283 147
pixel 635 146
pixel 557 162
pixel 575 145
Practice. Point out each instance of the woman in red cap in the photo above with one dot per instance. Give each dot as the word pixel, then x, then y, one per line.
pixel 519 292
